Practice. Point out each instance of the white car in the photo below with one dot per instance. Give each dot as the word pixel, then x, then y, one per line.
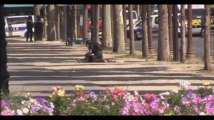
pixel 138 27
pixel 135 17
pixel 155 27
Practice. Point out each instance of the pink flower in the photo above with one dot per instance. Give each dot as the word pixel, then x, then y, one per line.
pixel 185 102
pixel 8 112
pixel 116 97
pixel 119 91
pixel 161 110
pixel 197 100
pixel 153 96
pixel 136 93
pixel 177 109
pixel 147 106
pixel 150 97
pixel 3 104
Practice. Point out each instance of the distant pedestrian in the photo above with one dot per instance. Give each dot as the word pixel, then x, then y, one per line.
pixel 38 27
pixel 29 29
pixel 202 25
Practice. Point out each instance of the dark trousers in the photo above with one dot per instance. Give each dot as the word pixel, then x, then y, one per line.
pixel 93 58
pixel 202 31
pixel 38 35
pixel 29 34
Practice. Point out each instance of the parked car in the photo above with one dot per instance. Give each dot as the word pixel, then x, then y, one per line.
pixel 135 17
pixel 138 27
pixel 155 27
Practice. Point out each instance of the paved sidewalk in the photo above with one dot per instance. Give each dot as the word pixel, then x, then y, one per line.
pixel 35 67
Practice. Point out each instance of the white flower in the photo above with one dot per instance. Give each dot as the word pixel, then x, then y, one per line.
pixel 136 93
pixel 142 100
pixel 25 110
pixel 163 98
pixel 37 103
pixel 52 105
pixel 125 96
pixel 19 112
pixel 113 103
pixel 130 98
pixel 107 107
pixel 184 84
pixel 23 102
pixel 31 100
pixel 164 94
pixel 28 95
pixel 202 113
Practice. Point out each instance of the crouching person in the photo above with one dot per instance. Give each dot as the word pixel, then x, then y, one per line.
pixel 95 52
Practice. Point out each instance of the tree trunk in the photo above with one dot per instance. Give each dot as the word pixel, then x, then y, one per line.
pixel 36 10
pixel 124 22
pixel 70 23
pixel 119 45
pixel 56 21
pixel 36 14
pixel 96 23
pixel 138 9
pixel 61 17
pixel 59 25
pixel 75 22
pixel 57 18
pixel 207 42
pixel 183 33
pixel 51 24
pixel 4 74
pixel 85 22
pixel 65 22
pixel 170 27
pixel 112 26
pixel 45 21
pixel 131 26
pixel 107 38
pixel 78 20
pixel 149 23
pixel 163 40
pixel 190 53
pixel 93 20
pixel 175 34
pixel 104 41
pixel 145 48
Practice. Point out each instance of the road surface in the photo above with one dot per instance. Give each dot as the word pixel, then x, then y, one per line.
pixel 198 45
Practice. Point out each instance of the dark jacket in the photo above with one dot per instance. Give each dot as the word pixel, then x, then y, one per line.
pixel 38 26
pixel 96 48
pixel 29 26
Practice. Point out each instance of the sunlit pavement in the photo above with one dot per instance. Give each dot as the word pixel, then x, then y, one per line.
pixel 35 67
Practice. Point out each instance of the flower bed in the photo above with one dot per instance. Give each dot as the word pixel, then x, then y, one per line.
pixel 114 102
